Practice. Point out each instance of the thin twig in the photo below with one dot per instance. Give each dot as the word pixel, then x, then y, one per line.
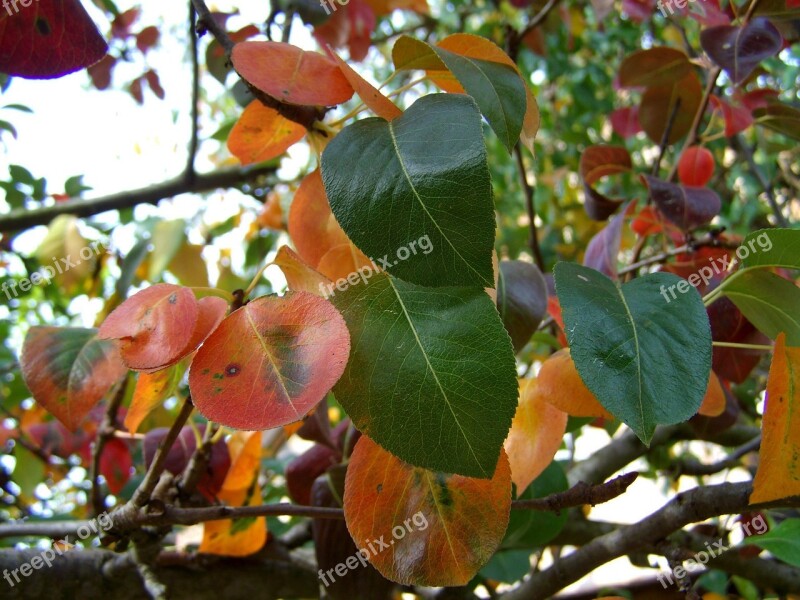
pixel 104 433
pixel 145 489
pixel 740 145
pixel 580 494
pixel 194 141
pixel 529 203
pixel 696 468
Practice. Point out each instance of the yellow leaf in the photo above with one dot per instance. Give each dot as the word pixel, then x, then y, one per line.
pixel 714 401
pixel 778 474
pixel 151 390
pixel 535 435
pixel 262 133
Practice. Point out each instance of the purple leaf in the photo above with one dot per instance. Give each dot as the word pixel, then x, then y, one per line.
pixel 739 50
pixel 687 207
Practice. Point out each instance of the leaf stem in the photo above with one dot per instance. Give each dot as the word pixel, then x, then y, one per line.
pixel 742 346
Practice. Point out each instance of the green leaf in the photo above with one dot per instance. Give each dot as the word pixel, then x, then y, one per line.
pixel 431 374
pixel 772 248
pixel 168 237
pixel 423 174
pixel 783 541
pixel 769 302
pixel 497 88
pixel 644 354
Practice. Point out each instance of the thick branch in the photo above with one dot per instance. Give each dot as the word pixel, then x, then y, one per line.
pixel 23 219
pixel 693 506
pixel 101 574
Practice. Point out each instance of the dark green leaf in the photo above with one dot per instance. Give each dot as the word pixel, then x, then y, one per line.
pixel 431 373
pixel 646 358
pixel 423 174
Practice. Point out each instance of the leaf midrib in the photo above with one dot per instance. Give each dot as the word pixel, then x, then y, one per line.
pixel 433 372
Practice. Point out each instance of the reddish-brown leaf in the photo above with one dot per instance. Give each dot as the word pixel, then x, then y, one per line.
pixel 696 166
pixel 270 362
pixel 440 528
pixel 69 370
pixel 116 464
pixel 291 75
pixel 48 39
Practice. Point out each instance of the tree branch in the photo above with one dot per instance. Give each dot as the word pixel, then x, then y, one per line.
pixel 24 218
pixel 693 506
pixel 580 494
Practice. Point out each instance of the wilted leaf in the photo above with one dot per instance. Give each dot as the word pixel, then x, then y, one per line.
pixel 50 39
pixel 402 370
pixel 598 162
pixel 291 75
pixel 404 195
pixel 262 133
pixel 621 337
pixel 270 362
pixel 778 474
pixel 69 370
pixel 535 435
pixel 451 525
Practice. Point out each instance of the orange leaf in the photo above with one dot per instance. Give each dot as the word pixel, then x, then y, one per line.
pixel 299 276
pixel 560 384
pixel 312 226
pixel 270 362
pixel 714 401
pixel 69 370
pixel 291 75
pixel 242 536
pixel 372 97
pixel 535 435
pixel 154 326
pixel 262 133
pixel 778 474
pixel 343 260
pixel 439 529
pixel 151 390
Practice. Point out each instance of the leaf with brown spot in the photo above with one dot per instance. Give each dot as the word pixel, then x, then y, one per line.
pixel 48 39
pixel 69 370
pixel 291 75
pixel 535 437
pixel 270 362
pixel 451 524
pixel 778 474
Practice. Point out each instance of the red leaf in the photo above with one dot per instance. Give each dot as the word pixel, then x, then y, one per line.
pixel 362 23
pixel 270 362
pixel 155 326
pixel 625 122
pixel 696 166
pixel 100 72
pixel 638 10
pixel 121 25
pixel 737 118
pixel 290 74
pixel 116 464
pixel 147 38
pixel 49 39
